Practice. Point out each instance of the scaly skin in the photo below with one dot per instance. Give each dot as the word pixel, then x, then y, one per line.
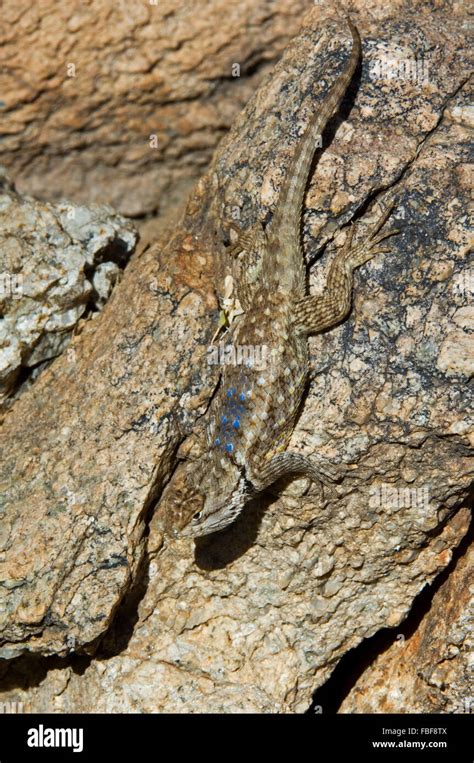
pixel 253 414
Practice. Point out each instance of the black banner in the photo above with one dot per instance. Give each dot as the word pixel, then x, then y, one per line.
pixel 25 737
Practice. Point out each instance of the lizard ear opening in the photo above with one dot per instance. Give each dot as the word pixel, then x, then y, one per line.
pixel 197 516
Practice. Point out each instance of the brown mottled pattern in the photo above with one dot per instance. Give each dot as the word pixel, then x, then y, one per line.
pixel 253 414
pixel 275 390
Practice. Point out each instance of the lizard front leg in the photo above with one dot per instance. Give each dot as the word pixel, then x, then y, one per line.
pixel 289 462
pixel 317 313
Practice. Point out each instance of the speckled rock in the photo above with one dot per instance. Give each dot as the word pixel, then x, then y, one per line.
pixel 257 617
pixel 135 125
pixel 431 671
pixel 55 262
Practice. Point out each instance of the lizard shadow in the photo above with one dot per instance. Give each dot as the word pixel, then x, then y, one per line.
pixel 220 549
pixel 342 113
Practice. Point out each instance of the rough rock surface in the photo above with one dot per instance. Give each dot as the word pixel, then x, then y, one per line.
pixel 124 102
pixel 55 262
pixel 431 671
pixel 257 617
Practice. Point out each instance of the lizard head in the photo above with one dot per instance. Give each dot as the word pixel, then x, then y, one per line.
pixel 204 497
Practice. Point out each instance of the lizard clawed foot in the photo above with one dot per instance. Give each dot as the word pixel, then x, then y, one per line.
pixel 368 247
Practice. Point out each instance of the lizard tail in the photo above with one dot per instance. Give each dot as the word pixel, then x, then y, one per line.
pixel 284 228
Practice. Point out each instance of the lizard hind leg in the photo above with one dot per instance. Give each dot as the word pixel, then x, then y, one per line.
pixel 313 314
pixel 247 240
pixel 247 252
pixel 289 462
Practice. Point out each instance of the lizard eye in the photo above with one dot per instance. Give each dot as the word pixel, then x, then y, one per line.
pixel 197 516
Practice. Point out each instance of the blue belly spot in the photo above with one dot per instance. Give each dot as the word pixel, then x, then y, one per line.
pixel 231 421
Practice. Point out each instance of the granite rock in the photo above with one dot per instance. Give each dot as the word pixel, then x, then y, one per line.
pixel 57 261
pixel 257 617
pixel 124 103
pixel 430 671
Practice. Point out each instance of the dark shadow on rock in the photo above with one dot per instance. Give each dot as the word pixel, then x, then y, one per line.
pixel 216 551
pixel 330 695
pixel 29 670
pixel 121 630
